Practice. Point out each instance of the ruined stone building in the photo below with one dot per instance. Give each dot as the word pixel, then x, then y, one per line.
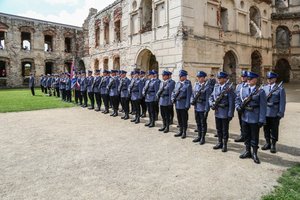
pixel 210 35
pixel 30 45
pixel 286 38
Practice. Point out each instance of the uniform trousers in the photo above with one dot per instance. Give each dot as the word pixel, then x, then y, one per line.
pixel 165 114
pixel 182 117
pixel 151 110
pixel 64 94
pixel 222 126
pixel 125 104
pixel 98 99
pixel 57 92
pixel 171 111
pixel 105 98
pixel 251 134
pixel 201 121
pixel 92 98
pixel 143 105
pixel 32 91
pixel 271 128
pixel 84 97
pixel 137 107
pixel 115 102
pixel 68 96
pixel 42 89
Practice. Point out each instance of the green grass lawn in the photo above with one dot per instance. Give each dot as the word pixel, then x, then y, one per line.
pixel 289 188
pixel 15 100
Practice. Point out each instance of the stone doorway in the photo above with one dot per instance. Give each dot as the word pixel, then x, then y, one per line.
pixel 230 65
pixel 81 66
pixel 146 60
pixel 49 68
pixel 283 69
pixel 256 61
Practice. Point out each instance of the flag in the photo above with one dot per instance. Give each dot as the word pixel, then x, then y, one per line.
pixel 72 68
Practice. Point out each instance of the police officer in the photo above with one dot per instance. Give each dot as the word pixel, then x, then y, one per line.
pixel 149 92
pixel 68 88
pixel 90 82
pixel 48 84
pixel 41 82
pixel 164 95
pixel 135 90
pixel 44 83
pixel 252 102
pixel 83 89
pixel 237 91
pixel 131 83
pixel 222 102
pixel 56 85
pixel 112 88
pixel 276 101
pixel 200 100
pixel 61 85
pixel 103 90
pixel 96 89
pixel 32 83
pixel 124 94
pixel 143 79
pixel 78 96
pixel 156 103
pixel 181 96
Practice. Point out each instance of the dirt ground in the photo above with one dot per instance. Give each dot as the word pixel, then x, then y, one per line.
pixel 75 153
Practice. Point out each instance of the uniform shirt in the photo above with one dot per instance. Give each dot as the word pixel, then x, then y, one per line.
pixel 114 84
pixel 83 84
pixel 96 84
pixel 150 90
pixel 68 83
pixel 167 88
pixel 123 87
pixel 103 85
pixel 136 89
pixel 184 91
pixel 90 81
pixel 276 103
pixel 226 108
pixel 258 103
pixel 31 81
pixel 202 104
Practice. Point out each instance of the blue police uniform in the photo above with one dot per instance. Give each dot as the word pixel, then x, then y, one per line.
pixel 253 116
pixel 90 91
pixel 41 83
pixel 143 102
pixel 68 89
pixel 96 90
pixel 238 88
pixel 224 110
pixel 83 90
pixel 104 92
pixel 164 96
pixel 181 96
pixel 112 88
pixel 276 102
pixel 136 90
pixel 31 84
pixel 124 94
pixel 149 92
pixel 200 100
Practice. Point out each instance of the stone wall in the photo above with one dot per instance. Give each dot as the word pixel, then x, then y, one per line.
pixel 14 52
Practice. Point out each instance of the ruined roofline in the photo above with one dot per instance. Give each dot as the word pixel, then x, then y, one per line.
pixel 39 20
pixel 109 7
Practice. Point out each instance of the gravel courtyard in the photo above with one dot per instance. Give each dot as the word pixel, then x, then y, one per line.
pixel 74 153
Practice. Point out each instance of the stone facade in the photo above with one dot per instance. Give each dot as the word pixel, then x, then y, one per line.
pixel 210 35
pixel 286 39
pixel 30 45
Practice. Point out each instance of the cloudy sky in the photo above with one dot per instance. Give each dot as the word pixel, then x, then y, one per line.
pixel 71 12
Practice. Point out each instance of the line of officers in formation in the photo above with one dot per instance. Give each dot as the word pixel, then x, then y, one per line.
pixel 257 105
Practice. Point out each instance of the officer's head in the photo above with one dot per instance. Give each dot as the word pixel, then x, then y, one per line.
pixel 165 75
pixel 201 75
pixel 244 76
pixel 90 73
pixel 183 75
pixel 151 74
pixel 222 77
pixel 142 74
pixel 83 74
pixel 123 74
pixel 272 77
pixel 97 72
pixel 114 72
pixel 252 78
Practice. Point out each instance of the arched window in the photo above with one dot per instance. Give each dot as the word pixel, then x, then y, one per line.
pixel 26 40
pixel 26 68
pixel 283 37
pixel 146 15
pixel 117 63
pixel 48 43
pixel 255 22
pixel 96 64
pixel 105 64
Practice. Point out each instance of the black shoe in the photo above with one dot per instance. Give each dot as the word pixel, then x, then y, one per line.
pixel 137 121
pixel 148 124
pixel 183 134
pixel 143 115
pixel 267 146
pixel 106 112
pixel 197 139
pixel 97 110
pixel 239 139
pixel 112 114
pixel 91 108
pixel 162 128
pixel 115 114
pixel 254 156
pixel 152 124
pixel 246 154
pixel 202 141
pixel 224 149
pixel 166 129
pixel 273 147
pixel 179 134
pixel 218 146
pixel 126 117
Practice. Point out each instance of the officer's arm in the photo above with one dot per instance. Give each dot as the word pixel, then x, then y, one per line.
pixel 211 98
pixel 262 106
pixel 231 102
pixel 193 94
pixel 188 96
pixel 282 103
pixel 238 101
pixel 207 92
